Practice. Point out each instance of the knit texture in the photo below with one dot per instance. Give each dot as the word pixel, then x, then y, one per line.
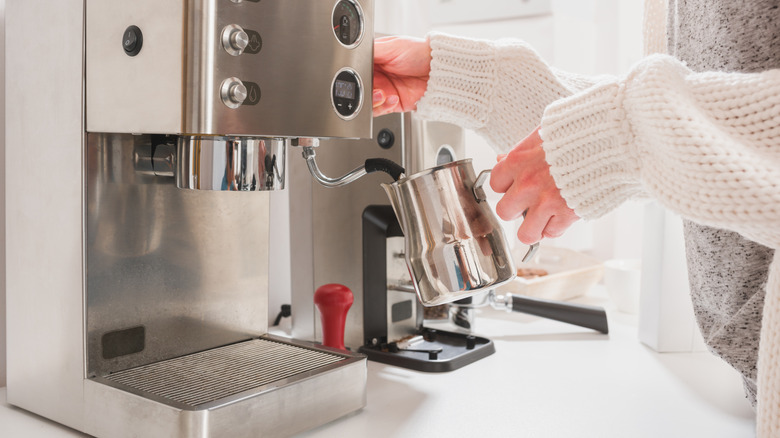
pixel 654 27
pixel 706 145
pixel 496 88
pixel 727 272
pixel 769 359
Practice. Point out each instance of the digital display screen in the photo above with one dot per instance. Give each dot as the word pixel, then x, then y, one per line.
pixel 345 89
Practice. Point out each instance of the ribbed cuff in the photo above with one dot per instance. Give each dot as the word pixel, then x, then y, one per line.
pixel 589 146
pixel 461 81
pixel 768 421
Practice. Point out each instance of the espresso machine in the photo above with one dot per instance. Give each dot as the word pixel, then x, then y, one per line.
pixel 350 235
pixel 143 140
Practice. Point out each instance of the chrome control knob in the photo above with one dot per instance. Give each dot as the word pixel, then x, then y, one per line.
pixel 234 39
pixel 233 92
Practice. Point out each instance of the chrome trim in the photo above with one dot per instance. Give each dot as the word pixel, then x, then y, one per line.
pixel 230 163
pixel 232 92
pixel 359 92
pixel 362 24
pixel 309 155
pixel 234 39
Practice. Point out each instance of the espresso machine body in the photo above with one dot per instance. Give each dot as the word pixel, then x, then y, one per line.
pixel 137 307
pixel 328 237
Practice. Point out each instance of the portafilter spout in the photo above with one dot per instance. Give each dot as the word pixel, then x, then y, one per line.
pixel 370 165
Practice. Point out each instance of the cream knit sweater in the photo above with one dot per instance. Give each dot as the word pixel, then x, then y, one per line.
pixel 706 145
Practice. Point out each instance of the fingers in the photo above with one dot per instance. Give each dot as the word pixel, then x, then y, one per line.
pixel 520 163
pixel 558 224
pixel 385 96
pixel 502 176
pixel 380 99
pixel 515 201
pixel 538 225
pixel 382 105
pixel 533 225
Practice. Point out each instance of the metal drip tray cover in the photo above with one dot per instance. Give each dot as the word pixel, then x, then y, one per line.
pixel 223 375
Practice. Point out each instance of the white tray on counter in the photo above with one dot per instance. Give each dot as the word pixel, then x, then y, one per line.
pixel 570 274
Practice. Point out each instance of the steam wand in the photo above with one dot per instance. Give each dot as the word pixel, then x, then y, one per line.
pixel 371 165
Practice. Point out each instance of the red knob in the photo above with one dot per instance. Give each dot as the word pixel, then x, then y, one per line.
pixel 334 301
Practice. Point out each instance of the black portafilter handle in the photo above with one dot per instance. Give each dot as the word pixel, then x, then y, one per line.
pixel 384 165
pixel 591 317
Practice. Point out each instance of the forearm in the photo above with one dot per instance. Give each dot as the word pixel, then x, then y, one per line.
pixel 707 145
pixel 497 88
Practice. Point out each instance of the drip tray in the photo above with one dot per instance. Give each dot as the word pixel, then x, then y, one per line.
pixel 223 375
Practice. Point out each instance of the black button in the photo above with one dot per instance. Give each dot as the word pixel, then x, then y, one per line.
pixel 385 138
pixel 255 42
pixel 252 93
pixel 132 40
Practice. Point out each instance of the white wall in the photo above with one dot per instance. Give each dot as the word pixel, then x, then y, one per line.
pixel 2 194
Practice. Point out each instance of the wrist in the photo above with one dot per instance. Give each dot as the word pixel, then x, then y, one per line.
pixel 588 144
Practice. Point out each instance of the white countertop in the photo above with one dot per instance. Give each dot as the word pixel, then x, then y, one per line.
pixel 546 379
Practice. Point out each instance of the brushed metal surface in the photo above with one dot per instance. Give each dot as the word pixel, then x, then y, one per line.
pixel 243 164
pixel 432 143
pixel 44 130
pixel 326 225
pixel 189 266
pixel 455 246
pixel 223 375
pixel 95 246
pixel 280 409
pixel 177 75
pixel 335 224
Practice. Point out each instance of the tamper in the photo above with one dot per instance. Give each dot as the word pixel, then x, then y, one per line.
pixel 333 301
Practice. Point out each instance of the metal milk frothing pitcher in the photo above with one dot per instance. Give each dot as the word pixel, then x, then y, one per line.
pixel 455 246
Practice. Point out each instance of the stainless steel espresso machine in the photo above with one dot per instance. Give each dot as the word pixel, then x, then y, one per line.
pixel 350 236
pixel 137 286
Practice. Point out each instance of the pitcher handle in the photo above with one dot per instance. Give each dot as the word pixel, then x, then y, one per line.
pixel 479 192
pixel 479 195
pixel 532 249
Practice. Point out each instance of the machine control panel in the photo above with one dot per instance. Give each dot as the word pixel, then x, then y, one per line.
pixel 347 92
pixel 348 22
pixel 233 92
pixel 132 40
pixel 205 73
pixel 234 39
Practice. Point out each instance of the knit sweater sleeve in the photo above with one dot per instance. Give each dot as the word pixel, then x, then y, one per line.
pixel 707 145
pixel 497 88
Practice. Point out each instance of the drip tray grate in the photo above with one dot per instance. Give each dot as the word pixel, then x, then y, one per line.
pixel 204 377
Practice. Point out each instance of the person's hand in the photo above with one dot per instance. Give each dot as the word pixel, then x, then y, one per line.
pixel 524 177
pixel 401 69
